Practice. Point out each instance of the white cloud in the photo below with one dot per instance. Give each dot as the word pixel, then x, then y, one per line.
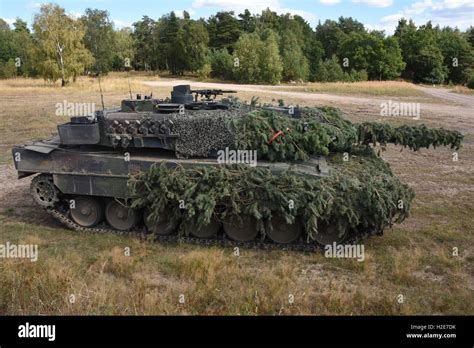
pixel 374 3
pixel 392 18
pixel 254 6
pixel 33 4
pixel 440 5
pixel 387 24
pixel 437 7
pixel 121 24
pixel 308 16
pixel 9 21
pixel 453 13
pixel 329 2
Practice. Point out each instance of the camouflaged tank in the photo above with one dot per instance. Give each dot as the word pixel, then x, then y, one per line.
pixel 195 168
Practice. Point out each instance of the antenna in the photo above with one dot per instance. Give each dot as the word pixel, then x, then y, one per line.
pixel 129 88
pixel 101 95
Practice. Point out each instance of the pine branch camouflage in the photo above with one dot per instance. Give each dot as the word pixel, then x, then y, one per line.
pixel 361 192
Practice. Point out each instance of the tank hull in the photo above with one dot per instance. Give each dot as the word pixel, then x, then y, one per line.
pixel 101 175
pixel 97 171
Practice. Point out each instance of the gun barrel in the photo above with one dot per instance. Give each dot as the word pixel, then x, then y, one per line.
pixel 212 91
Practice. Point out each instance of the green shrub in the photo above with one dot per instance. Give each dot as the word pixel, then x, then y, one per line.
pixel 331 71
pixel 222 64
pixel 358 75
pixel 470 82
pixel 8 69
pixel 205 71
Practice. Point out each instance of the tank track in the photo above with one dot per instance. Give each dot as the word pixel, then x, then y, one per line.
pixel 223 241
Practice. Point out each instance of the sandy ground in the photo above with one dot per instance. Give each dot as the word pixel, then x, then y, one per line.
pixel 15 195
pixel 446 94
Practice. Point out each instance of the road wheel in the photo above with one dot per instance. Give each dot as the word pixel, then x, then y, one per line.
pixel 279 231
pixel 241 228
pixel 86 211
pixel 160 226
pixel 332 231
pixel 120 217
pixel 43 190
pixel 207 231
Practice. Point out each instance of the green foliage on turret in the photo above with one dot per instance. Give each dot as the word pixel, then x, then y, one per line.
pixel 321 131
pixel 413 137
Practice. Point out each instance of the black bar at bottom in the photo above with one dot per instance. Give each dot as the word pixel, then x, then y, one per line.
pixel 415 330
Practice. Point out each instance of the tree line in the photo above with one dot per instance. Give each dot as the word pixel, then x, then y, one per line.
pixel 247 48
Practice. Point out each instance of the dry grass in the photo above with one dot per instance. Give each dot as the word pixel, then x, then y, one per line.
pixel 103 280
pixel 462 90
pixel 413 259
pixel 370 88
pixel 115 82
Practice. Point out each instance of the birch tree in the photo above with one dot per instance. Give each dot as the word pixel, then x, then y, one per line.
pixel 60 44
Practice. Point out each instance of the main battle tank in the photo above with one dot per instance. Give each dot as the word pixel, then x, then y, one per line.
pixel 210 171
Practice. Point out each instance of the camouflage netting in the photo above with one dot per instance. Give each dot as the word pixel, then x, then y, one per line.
pixel 203 133
pixel 363 192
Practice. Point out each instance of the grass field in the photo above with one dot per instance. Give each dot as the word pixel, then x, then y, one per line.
pixel 414 259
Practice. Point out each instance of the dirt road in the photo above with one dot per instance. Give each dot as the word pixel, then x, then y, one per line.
pixel 443 93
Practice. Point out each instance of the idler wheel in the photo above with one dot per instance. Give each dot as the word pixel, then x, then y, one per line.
pixel 43 190
pixel 241 228
pixel 282 232
pixel 120 216
pixel 160 226
pixel 87 211
pixel 206 231
pixel 332 231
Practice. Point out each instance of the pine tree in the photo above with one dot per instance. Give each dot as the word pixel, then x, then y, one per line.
pixel 196 41
pixel 224 30
pixel 295 64
pixel 271 66
pixel 145 41
pixel 24 49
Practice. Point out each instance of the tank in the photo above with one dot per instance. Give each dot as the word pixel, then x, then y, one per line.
pixel 205 170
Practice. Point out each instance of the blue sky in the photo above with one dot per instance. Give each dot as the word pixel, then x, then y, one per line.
pixel 375 14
